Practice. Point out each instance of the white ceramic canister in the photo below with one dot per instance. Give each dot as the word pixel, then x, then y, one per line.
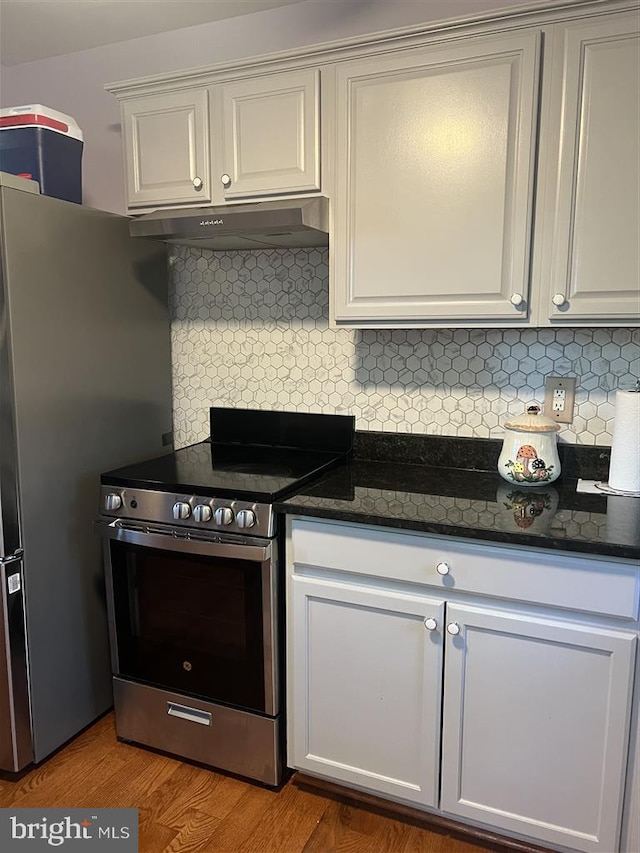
pixel 529 454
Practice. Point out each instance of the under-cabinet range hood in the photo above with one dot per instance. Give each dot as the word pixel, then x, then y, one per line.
pixel 272 224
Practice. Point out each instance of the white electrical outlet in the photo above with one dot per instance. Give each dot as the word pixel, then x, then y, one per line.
pixel 559 398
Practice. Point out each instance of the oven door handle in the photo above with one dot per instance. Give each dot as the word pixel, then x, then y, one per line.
pixel 189 543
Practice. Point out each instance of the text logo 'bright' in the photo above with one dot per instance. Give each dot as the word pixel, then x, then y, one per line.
pixel 73 829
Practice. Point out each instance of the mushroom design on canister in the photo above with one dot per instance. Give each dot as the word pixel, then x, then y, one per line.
pixel 526 455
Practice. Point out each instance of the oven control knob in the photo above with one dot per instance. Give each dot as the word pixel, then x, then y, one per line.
pixel 246 518
pixel 202 512
pixel 224 515
pixel 112 502
pixel 181 510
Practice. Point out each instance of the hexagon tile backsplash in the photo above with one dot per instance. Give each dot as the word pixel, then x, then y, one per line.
pixel 251 329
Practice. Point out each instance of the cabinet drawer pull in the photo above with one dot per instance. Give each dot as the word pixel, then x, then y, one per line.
pixel 517 300
pixel 225 180
pixel 558 299
pixel 453 628
pixel 430 624
pixel 443 568
pixel 198 183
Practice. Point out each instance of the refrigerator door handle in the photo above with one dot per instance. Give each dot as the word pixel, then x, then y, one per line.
pixel 17 555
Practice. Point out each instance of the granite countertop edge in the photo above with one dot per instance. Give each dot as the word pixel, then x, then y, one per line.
pixel 603 549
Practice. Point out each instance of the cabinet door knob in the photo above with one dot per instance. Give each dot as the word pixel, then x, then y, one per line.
pixel 430 624
pixel 443 568
pixel 453 628
pixel 198 184
pixel 517 300
pixel 558 299
pixel 225 180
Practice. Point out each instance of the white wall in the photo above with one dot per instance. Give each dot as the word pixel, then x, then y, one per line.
pixel 74 83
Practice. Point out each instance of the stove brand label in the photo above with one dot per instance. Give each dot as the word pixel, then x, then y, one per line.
pixel 69 829
pixel 205 222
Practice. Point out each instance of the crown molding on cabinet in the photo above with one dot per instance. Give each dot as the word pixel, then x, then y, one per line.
pixel 405 37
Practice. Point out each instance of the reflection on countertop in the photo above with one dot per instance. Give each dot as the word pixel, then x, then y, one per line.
pixel 474 504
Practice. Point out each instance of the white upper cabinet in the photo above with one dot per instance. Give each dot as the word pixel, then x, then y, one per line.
pixel 433 183
pixel 265 133
pixel 166 148
pixel 592 196
pixel 257 137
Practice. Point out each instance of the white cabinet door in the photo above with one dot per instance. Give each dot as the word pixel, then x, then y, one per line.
pixel 592 213
pixel 432 200
pixel 536 726
pixel 630 842
pixel 166 146
pixel 268 134
pixel 365 687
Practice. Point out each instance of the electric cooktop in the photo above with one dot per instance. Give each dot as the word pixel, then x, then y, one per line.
pixel 255 455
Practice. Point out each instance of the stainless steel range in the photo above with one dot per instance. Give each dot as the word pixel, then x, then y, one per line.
pixel 194 592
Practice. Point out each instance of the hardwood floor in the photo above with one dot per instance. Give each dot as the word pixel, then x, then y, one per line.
pixel 188 809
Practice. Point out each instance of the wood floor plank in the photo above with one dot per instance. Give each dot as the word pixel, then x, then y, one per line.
pixel 144 774
pixel 287 824
pixel 194 834
pixel 153 837
pixel 227 795
pixel 241 821
pixel 418 841
pixel 389 835
pixel 346 829
pixel 188 787
pixel 332 831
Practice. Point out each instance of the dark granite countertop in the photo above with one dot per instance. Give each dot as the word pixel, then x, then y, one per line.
pixel 397 487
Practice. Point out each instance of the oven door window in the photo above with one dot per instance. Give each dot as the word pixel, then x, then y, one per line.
pixel 191 624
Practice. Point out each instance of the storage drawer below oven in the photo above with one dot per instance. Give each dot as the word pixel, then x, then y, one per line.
pixel 224 738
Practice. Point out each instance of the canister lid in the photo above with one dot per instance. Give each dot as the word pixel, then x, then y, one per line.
pixel 533 421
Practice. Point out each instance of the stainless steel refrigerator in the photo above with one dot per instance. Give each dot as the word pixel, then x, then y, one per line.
pixel 84 387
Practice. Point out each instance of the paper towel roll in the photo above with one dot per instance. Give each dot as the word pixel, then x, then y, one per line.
pixel 624 467
pixel 623 520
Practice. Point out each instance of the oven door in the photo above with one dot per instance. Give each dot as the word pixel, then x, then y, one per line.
pixel 193 614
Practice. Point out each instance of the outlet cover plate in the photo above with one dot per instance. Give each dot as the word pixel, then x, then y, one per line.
pixel 560 383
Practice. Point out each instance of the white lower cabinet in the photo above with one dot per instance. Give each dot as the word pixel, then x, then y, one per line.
pixel 533 736
pixel 535 725
pixel 367 684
